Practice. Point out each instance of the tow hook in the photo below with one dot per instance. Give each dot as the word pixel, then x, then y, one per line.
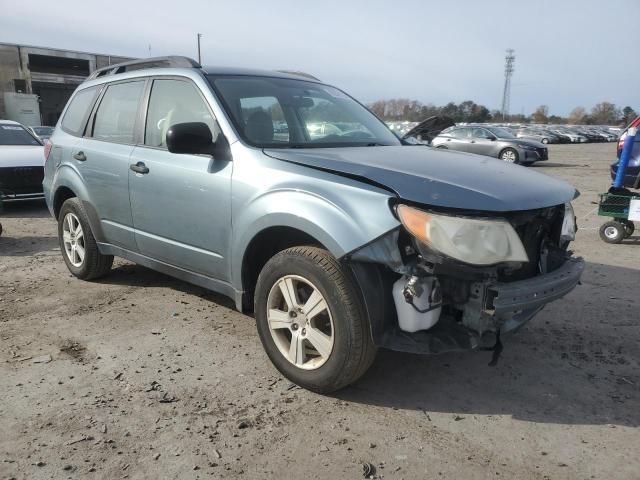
pixel 496 349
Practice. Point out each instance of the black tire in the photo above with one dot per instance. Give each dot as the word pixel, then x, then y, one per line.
pixel 545 140
pixel 94 265
pixel 353 350
pixel 505 153
pixel 629 228
pixel 612 232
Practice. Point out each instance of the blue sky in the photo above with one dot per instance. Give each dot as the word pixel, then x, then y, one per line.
pixel 568 53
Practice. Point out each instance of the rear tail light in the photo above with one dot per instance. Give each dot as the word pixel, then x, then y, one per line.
pixel 47 149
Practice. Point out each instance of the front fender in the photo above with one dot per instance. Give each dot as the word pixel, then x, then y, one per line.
pixel 342 218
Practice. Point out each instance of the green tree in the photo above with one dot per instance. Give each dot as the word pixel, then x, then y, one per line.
pixel 628 115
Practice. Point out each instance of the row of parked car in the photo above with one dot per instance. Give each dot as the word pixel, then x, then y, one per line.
pixel 540 133
pixel 565 134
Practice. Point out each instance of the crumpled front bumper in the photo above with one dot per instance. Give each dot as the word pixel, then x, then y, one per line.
pixel 517 302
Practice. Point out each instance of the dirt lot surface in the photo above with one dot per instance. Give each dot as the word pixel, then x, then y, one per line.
pixel 143 376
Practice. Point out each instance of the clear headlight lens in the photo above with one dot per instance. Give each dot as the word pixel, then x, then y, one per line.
pixel 568 232
pixel 470 240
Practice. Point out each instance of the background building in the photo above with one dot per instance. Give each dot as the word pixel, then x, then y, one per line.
pixel 51 74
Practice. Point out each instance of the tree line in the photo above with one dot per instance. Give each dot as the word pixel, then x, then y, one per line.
pixel 400 109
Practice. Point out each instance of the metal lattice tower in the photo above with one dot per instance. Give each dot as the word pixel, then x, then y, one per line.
pixel 509 60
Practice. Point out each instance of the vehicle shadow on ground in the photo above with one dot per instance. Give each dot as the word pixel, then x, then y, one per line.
pixel 27 209
pixel 131 274
pixel 27 246
pixel 577 362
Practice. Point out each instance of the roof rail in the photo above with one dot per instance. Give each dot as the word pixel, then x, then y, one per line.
pixel 299 74
pixel 154 62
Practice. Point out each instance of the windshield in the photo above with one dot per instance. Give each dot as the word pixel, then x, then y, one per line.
pixel 16 135
pixel 285 113
pixel 501 132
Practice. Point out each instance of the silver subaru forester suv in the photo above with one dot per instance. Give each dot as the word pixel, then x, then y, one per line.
pixel 289 196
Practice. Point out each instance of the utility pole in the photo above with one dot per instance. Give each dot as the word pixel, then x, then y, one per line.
pixel 509 60
pixel 199 58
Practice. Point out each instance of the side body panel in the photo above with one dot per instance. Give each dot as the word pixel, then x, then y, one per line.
pixel 341 213
pixel 181 210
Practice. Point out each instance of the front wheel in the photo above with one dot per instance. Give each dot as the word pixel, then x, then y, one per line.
pixel 629 228
pixel 77 243
pixel 509 155
pixel 545 140
pixel 311 320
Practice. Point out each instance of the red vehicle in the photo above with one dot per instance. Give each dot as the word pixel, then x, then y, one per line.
pixel 632 175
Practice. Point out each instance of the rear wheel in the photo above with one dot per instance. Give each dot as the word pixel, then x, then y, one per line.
pixel 545 140
pixel 311 320
pixel 509 155
pixel 612 232
pixel 78 246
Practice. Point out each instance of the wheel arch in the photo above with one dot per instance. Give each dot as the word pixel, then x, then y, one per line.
pixel 69 184
pixel 263 246
pixel 285 219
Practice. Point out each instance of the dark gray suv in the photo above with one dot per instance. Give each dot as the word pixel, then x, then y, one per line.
pixel 492 141
pixel 290 197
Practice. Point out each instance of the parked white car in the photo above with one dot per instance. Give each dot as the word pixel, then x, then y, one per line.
pixel 21 163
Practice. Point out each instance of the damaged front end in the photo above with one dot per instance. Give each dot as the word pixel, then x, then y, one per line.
pixel 456 281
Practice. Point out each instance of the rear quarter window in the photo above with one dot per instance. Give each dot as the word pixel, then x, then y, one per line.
pixel 75 118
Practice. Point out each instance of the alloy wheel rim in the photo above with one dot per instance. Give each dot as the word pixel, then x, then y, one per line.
pixel 509 156
pixel 73 239
pixel 300 322
pixel 611 232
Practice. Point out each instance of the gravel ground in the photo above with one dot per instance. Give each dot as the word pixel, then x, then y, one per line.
pixel 143 376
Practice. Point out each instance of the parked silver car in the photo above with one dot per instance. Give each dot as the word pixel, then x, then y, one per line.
pixel 341 240
pixel 492 141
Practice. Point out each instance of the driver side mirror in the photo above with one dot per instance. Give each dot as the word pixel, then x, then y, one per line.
pixel 195 138
pixel 492 138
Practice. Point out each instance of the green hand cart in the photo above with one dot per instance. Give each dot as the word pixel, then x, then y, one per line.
pixel 618 207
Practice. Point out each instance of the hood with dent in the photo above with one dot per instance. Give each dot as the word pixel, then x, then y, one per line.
pixel 439 178
pixel 21 156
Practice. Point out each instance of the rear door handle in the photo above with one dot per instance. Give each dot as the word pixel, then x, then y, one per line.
pixel 80 156
pixel 139 167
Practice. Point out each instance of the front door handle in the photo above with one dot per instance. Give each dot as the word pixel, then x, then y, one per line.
pixel 80 156
pixel 139 167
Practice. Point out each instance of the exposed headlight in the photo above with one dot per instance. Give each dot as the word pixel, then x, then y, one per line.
pixel 470 240
pixel 528 147
pixel 568 232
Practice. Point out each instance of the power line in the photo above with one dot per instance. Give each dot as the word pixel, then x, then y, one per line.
pixel 509 60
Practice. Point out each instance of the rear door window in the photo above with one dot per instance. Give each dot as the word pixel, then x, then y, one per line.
pixel 75 118
pixel 116 116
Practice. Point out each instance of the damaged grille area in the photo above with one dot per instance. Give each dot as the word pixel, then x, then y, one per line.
pixel 539 231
